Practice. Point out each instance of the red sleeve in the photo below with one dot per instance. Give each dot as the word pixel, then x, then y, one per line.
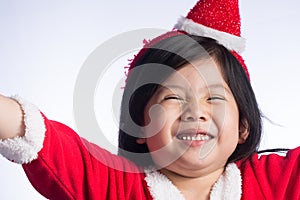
pixel 65 169
pixel 271 176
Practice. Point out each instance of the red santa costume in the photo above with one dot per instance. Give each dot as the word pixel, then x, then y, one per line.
pixel 61 165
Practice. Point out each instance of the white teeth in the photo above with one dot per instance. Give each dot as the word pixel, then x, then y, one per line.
pixel 195 138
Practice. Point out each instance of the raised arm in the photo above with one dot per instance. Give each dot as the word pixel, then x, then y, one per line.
pixel 11 118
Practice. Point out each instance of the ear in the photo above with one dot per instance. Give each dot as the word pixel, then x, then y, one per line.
pixel 141 140
pixel 243 131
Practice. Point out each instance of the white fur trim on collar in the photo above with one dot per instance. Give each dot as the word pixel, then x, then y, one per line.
pixel 228 186
pixel 160 187
pixel 25 149
pixel 230 41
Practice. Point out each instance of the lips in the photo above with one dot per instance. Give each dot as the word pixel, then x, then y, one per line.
pixel 194 135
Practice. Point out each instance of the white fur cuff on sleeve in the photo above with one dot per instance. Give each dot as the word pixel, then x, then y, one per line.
pixel 25 149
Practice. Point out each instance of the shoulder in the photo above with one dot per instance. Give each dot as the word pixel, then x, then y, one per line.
pixel 270 166
pixel 271 156
pixel 271 174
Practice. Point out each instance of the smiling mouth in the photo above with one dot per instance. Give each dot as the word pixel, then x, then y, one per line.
pixel 192 136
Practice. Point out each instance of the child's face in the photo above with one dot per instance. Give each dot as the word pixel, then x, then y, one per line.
pixel 192 120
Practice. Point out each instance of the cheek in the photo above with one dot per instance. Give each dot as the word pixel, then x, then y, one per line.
pixel 160 126
pixel 155 120
pixel 228 125
pixel 159 118
pixel 226 118
pixel 157 138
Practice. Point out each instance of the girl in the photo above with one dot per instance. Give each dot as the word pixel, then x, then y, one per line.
pixel 189 129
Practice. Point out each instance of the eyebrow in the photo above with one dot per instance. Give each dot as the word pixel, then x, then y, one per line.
pixel 171 87
pixel 217 85
pixel 209 87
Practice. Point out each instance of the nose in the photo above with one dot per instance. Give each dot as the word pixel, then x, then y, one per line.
pixel 193 111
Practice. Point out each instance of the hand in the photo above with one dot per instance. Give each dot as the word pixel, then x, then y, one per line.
pixel 11 118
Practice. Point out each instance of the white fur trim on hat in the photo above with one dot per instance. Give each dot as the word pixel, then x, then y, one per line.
pixel 25 149
pixel 227 187
pixel 231 42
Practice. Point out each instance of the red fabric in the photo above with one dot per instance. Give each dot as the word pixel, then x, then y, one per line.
pixel 242 62
pixel 65 169
pixel 271 176
pixel 222 15
pixel 148 44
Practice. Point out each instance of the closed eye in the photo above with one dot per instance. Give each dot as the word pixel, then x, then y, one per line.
pixel 215 98
pixel 174 98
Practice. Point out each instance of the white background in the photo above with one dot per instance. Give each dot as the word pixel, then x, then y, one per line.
pixel 44 43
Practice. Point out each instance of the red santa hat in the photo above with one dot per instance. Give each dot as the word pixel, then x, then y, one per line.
pixel 216 19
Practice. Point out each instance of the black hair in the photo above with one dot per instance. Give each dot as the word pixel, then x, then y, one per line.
pixel 174 52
